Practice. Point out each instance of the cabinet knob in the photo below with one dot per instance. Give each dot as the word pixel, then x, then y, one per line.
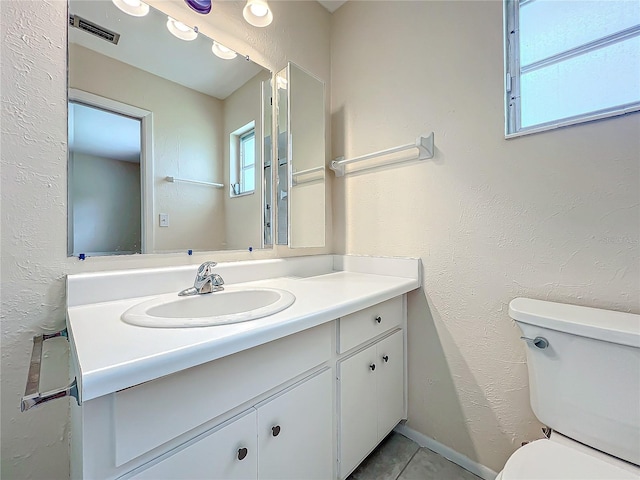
pixel 242 452
pixel 372 367
pixel 378 319
pixel 275 431
pixel 385 358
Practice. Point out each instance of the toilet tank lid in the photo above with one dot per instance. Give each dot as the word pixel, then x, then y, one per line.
pixel 606 325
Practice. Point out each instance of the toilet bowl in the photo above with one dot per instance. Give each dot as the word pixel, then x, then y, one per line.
pixel 584 382
pixel 567 460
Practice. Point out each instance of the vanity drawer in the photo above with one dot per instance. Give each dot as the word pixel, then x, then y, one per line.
pixel 366 324
pixel 151 414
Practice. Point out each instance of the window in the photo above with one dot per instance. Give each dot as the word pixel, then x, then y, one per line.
pixel 570 61
pixel 243 160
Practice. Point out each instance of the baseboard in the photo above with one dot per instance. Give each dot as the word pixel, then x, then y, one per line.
pixel 465 462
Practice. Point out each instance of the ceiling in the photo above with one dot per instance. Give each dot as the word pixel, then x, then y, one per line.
pixel 146 44
pixel 332 5
pixel 103 134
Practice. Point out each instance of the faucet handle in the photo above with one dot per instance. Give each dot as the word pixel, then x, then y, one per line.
pixel 206 269
pixel 216 280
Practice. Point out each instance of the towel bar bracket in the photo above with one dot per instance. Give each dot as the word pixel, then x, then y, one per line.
pixel 337 167
pixel 32 396
pixel 425 146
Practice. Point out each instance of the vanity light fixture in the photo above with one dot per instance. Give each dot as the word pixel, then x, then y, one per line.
pixel 180 30
pixel 200 6
pixel 134 8
pixel 222 52
pixel 257 13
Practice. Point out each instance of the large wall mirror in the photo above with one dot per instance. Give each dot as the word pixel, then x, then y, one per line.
pixel 301 158
pixel 169 145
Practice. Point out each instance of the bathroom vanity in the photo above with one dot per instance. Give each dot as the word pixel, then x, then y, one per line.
pixel 307 392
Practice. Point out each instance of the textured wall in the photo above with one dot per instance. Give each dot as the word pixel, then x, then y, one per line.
pixel 34 262
pixel 553 216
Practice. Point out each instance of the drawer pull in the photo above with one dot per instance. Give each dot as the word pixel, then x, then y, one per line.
pixel 242 453
pixel 275 431
pixel 385 358
pixel 372 367
pixel 32 396
pixel 378 319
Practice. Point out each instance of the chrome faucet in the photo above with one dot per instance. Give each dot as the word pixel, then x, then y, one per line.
pixel 206 281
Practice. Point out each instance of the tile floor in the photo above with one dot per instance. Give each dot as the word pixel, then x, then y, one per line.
pixel 398 458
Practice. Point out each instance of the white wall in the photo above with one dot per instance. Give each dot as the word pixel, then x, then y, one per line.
pixel 33 188
pixel 553 215
pixel 106 204
pixel 187 143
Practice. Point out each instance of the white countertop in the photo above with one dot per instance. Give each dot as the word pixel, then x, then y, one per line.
pixel 110 355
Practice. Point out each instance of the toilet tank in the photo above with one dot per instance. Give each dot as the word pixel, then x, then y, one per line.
pixel 586 383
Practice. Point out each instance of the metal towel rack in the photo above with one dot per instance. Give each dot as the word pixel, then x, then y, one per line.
pixel 424 144
pixel 197 182
pixel 32 396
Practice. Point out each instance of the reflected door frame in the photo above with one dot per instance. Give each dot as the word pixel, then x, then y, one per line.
pixel 146 156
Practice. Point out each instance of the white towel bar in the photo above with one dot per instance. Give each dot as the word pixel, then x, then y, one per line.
pixel 197 182
pixel 301 173
pixel 309 170
pixel 423 143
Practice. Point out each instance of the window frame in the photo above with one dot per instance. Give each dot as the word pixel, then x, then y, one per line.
pixel 512 94
pixel 243 168
pixel 237 161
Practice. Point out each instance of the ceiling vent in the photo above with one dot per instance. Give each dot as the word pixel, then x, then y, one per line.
pixel 94 29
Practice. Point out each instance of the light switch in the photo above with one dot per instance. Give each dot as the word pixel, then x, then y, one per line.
pixel 164 219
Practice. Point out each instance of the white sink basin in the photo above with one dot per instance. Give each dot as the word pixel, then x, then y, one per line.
pixel 232 305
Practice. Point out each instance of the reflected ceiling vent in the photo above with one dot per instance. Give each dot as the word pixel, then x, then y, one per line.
pixel 94 29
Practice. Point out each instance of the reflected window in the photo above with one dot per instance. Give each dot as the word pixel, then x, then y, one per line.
pixel 243 160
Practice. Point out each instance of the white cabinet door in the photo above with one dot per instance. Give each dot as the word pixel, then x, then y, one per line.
pixel 371 392
pixel 295 432
pixel 358 408
pixel 229 453
pixel 390 383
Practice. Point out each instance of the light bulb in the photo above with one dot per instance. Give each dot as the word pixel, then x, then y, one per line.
pixel 282 83
pixel 259 10
pixel 135 8
pixel 257 13
pixel 180 30
pixel 222 52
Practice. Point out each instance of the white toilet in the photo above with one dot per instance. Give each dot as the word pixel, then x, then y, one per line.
pixel 584 380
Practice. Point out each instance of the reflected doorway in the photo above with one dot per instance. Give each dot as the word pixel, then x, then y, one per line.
pixel 105 180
